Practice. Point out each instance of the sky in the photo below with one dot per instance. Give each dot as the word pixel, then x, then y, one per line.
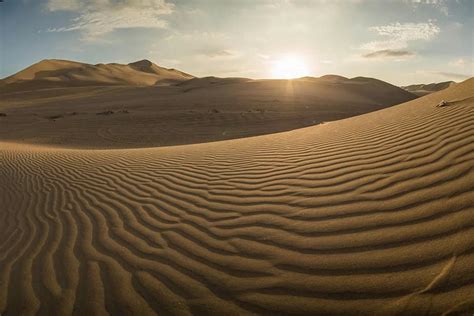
pixel 402 42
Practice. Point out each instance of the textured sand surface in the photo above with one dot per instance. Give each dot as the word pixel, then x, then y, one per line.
pixel 368 215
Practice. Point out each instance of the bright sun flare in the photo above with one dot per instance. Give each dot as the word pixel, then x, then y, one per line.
pixel 290 67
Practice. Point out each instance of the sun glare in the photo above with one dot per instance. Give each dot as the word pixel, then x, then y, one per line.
pixel 290 67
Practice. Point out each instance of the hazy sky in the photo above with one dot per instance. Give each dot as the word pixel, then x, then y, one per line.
pixel 402 42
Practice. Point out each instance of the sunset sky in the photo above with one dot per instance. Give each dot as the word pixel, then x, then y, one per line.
pixel 402 42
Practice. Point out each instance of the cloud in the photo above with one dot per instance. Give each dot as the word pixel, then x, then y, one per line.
pixel 222 54
pixel 217 55
pixel 462 62
pixel 399 35
pixel 63 5
pixel 389 53
pixel 452 75
pixel 396 39
pixel 197 37
pixel 99 17
pixel 441 5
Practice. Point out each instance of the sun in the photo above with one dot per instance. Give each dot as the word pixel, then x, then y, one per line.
pixel 290 67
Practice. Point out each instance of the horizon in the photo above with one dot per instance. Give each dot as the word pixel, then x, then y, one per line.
pixel 212 76
pixel 416 42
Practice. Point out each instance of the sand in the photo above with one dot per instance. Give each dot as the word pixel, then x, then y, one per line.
pixel 424 89
pixel 65 73
pixel 195 111
pixel 369 215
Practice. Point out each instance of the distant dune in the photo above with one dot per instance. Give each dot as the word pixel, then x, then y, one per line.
pixel 424 89
pixel 371 215
pixel 198 110
pixel 63 73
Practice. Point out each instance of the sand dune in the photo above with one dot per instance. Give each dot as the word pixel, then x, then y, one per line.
pixel 424 89
pixel 195 111
pixel 50 73
pixel 368 215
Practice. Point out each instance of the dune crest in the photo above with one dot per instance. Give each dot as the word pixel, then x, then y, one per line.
pixel 424 89
pixel 368 215
pixel 55 72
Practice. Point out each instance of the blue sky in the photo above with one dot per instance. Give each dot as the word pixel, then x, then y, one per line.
pixel 402 42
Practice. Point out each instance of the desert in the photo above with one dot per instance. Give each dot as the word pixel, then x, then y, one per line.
pixel 133 188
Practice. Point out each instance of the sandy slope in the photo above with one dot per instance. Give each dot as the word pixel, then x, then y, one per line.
pixel 60 73
pixel 196 111
pixel 368 215
pixel 424 89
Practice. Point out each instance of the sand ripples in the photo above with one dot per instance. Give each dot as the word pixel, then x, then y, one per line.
pixel 368 215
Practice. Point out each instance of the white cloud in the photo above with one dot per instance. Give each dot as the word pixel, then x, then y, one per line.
pixel 221 54
pixel 99 17
pixel 63 5
pixel 398 35
pixel 441 5
pixel 445 75
pixel 197 37
pixel 463 63
pixel 452 75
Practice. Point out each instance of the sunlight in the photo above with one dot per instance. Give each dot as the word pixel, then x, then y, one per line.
pixel 290 67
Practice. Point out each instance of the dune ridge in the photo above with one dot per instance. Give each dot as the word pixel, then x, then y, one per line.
pixel 368 215
pixel 424 89
pixel 50 73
